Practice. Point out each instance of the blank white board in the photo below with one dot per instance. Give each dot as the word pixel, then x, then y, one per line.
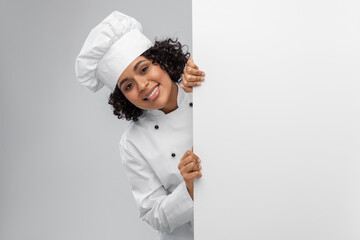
pixel 277 120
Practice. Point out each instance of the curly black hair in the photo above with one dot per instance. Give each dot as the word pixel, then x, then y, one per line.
pixel 170 56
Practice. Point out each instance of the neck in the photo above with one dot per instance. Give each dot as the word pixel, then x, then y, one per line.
pixel 172 105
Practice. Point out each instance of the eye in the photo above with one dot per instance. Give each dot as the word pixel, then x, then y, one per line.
pixel 143 70
pixel 128 86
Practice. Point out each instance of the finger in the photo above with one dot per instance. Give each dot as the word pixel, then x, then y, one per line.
pixel 191 167
pixel 192 176
pixel 194 71
pixel 192 78
pixel 191 63
pixel 197 167
pixel 184 160
pixel 190 158
pixel 186 89
pixel 191 84
pixel 197 163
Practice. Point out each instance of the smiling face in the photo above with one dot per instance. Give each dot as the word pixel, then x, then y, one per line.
pixel 147 86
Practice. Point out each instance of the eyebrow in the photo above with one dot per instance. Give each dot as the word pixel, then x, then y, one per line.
pixel 137 64
pixel 135 68
pixel 122 82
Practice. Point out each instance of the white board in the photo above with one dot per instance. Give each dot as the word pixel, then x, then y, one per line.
pixel 277 120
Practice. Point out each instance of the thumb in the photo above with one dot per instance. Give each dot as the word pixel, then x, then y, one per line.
pixel 183 87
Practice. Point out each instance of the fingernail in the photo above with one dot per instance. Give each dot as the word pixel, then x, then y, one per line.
pixel 202 79
pixel 198 84
pixel 199 160
pixel 200 167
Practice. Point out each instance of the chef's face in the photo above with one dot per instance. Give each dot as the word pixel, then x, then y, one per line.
pixel 146 85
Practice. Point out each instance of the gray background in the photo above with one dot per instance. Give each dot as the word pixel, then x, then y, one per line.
pixel 60 172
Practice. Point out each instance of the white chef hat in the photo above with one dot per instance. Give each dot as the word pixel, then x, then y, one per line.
pixel 110 47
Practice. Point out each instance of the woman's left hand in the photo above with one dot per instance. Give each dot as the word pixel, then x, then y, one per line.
pixel 189 168
pixel 192 76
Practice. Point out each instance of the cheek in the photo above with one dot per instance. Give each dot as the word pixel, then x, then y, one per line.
pixel 131 97
pixel 160 75
pixel 156 76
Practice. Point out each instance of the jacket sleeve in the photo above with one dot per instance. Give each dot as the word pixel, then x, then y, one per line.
pixel 163 211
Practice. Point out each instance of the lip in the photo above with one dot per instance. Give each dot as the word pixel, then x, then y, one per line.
pixel 150 91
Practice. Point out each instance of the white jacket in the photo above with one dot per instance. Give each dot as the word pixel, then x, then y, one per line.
pixel 151 149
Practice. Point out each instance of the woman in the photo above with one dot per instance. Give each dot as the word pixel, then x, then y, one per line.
pixel 156 148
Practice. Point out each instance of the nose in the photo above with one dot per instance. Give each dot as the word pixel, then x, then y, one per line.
pixel 142 83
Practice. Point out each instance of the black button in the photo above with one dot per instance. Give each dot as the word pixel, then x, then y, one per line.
pixel 191 104
pixel 173 155
pixel 156 127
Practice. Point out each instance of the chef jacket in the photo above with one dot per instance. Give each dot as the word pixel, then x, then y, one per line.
pixel 151 149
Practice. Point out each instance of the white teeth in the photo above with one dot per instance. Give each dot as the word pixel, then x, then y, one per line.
pixel 152 93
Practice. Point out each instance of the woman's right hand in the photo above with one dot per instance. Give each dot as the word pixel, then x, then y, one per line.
pixel 192 76
pixel 189 167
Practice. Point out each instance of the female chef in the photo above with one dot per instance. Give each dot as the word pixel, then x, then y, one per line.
pixel 156 148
